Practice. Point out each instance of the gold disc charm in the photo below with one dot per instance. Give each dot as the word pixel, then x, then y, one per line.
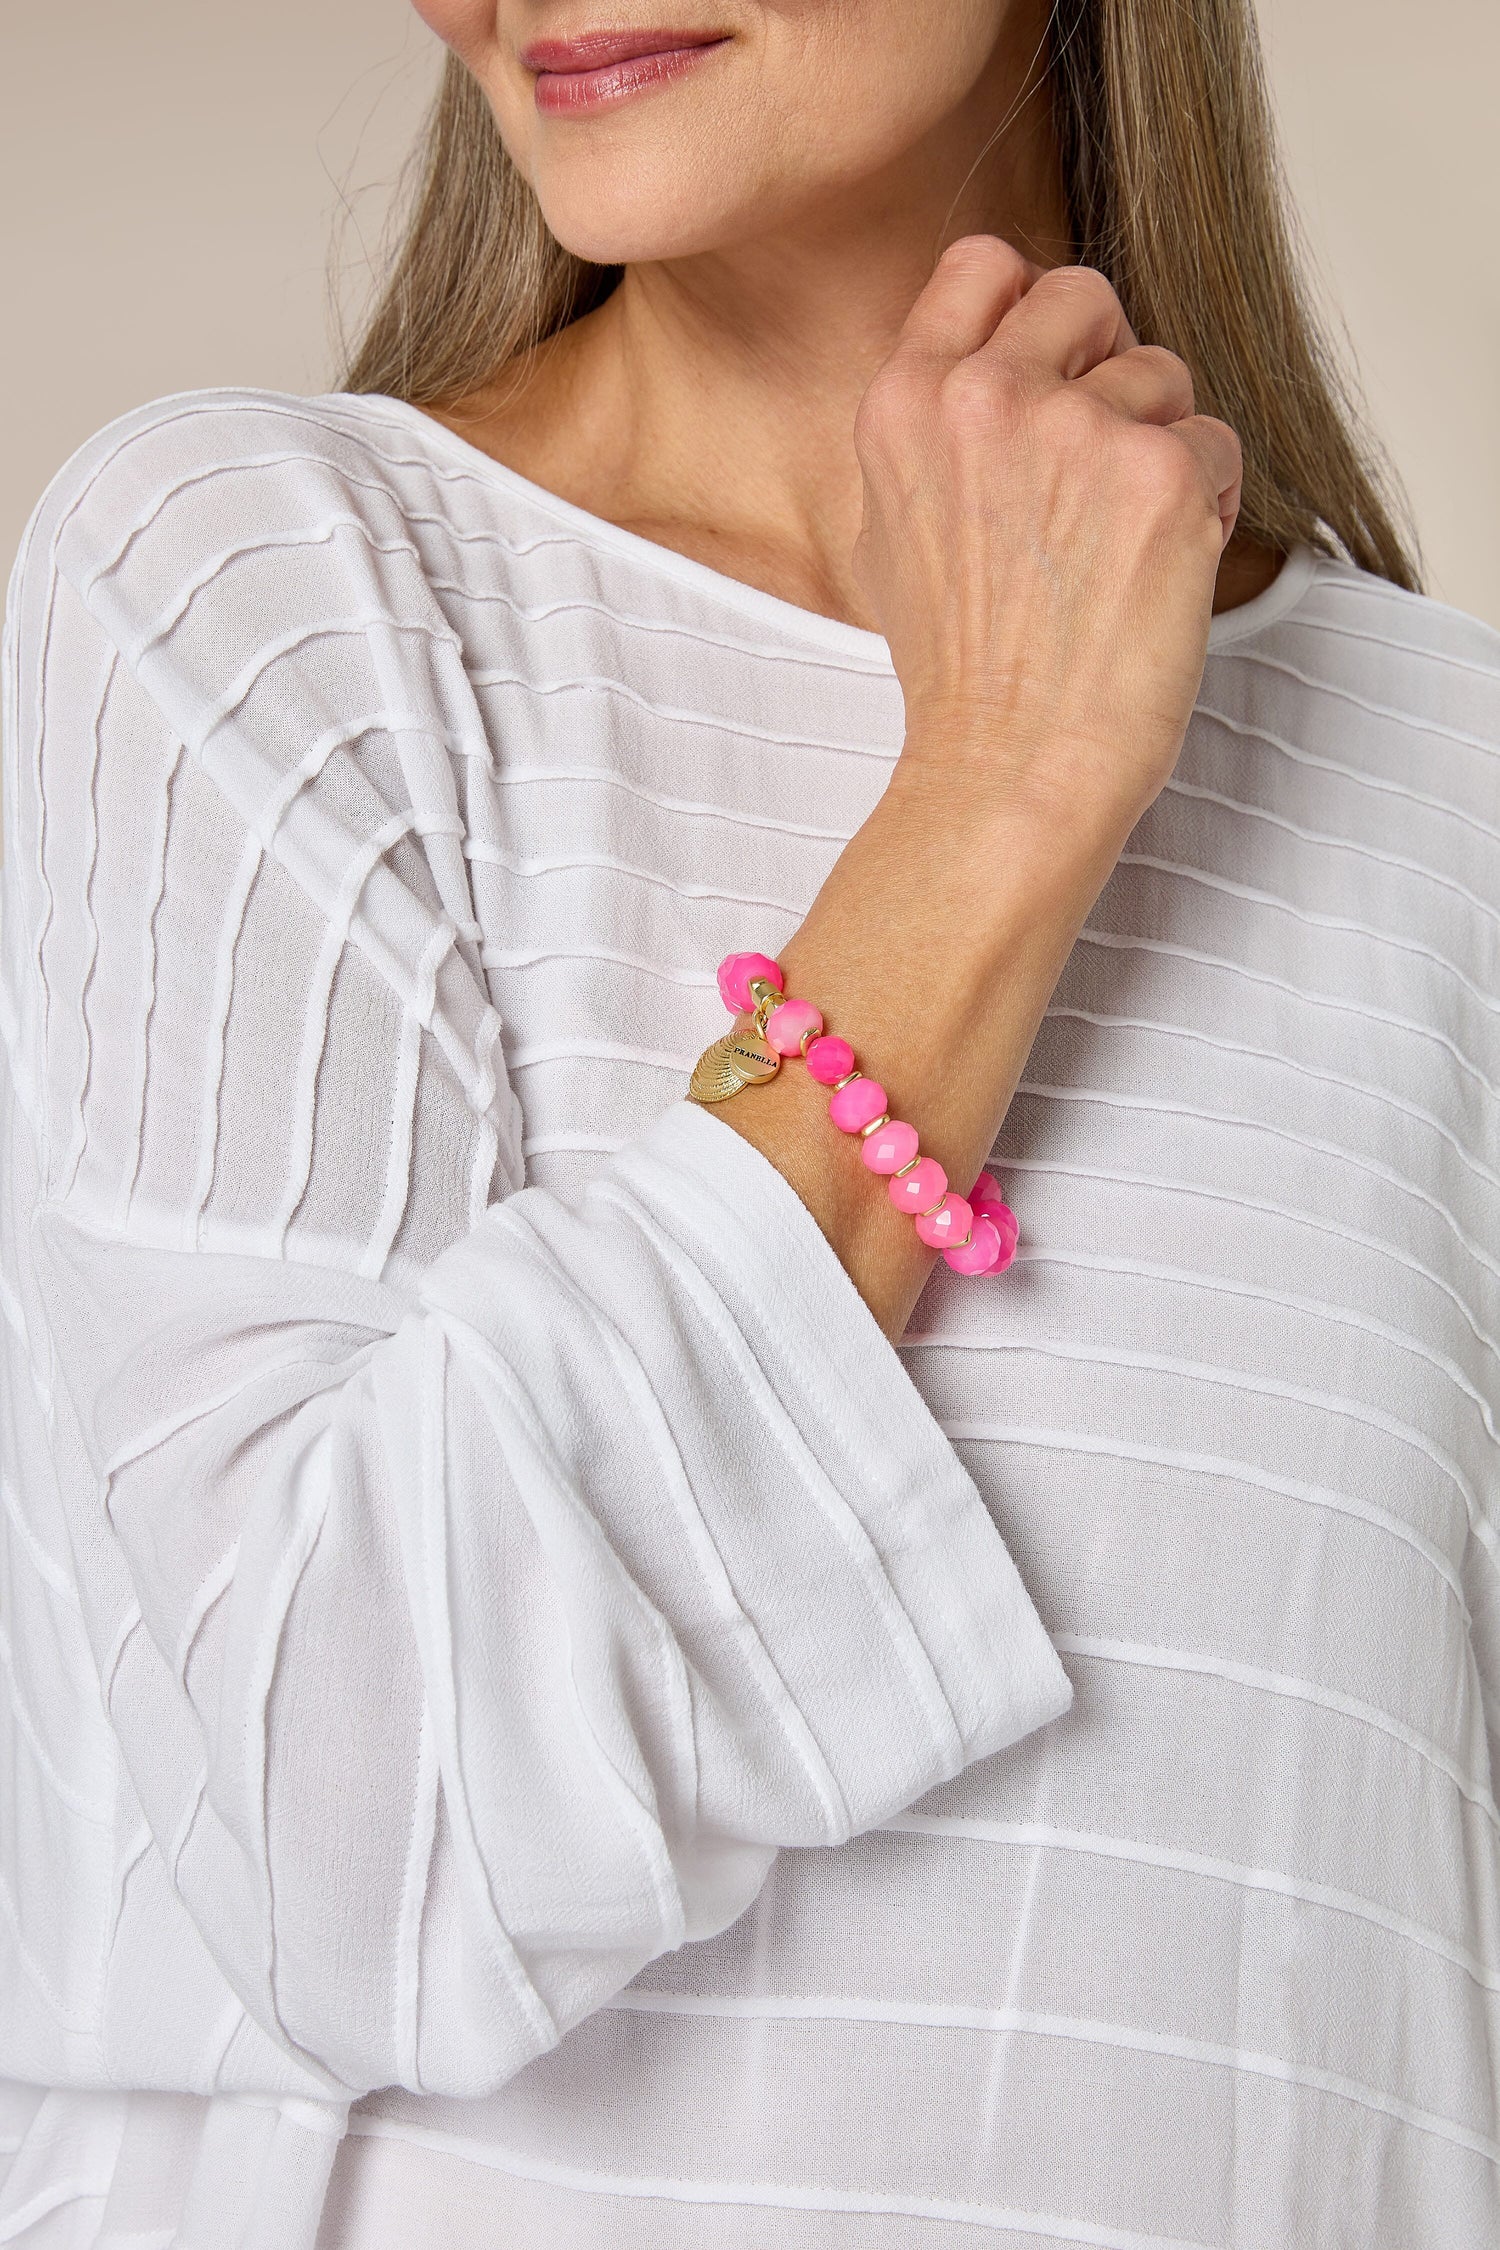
pixel 738 1059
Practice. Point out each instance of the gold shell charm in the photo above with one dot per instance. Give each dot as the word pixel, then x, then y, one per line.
pixel 738 1059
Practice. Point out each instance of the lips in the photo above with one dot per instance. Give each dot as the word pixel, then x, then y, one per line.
pixel 596 50
pixel 599 69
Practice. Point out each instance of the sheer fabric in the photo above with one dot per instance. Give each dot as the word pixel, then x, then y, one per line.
pixel 528 1720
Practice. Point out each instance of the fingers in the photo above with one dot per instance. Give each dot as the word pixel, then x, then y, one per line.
pixel 1067 322
pixel 1216 450
pixel 974 285
pixel 987 304
pixel 1144 383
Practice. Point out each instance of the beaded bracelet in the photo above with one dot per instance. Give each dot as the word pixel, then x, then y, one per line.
pixel 976 1233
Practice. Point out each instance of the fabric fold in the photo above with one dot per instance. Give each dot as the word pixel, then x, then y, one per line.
pixel 480 1585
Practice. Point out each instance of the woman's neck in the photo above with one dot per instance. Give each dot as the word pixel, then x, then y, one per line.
pixel 709 403
pixel 736 449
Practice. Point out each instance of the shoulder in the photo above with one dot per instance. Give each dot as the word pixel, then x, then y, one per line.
pixel 1411 655
pixel 218 536
pixel 181 472
pixel 248 560
pixel 1373 679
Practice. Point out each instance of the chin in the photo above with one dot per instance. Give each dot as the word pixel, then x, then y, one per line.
pixel 662 197
pixel 637 221
pixel 644 229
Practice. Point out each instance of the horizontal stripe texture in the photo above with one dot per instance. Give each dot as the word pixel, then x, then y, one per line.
pixel 525 1718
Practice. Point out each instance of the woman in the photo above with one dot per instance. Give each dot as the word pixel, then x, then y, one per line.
pixel 573 1681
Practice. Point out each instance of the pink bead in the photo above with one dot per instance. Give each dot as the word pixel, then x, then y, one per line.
pixel 727 969
pixel 788 1025
pixel 1008 1227
pixel 920 1188
pixel 735 972
pixel 948 1224
pixel 829 1060
pixel 858 1103
pixel 982 1254
pixel 985 1192
pixel 890 1146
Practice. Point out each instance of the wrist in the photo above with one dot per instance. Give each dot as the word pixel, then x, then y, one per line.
pixel 925 921
pixel 1067 803
pixel 1002 856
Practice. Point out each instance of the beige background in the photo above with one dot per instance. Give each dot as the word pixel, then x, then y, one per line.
pixel 171 174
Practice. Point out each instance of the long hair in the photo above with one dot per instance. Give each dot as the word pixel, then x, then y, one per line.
pixel 1175 192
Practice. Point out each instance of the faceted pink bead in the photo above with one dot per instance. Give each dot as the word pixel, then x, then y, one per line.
pixel 948 1224
pixel 985 1192
pixel 1008 1227
pixel 829 1060
pixel 733 990
pixel 788 1025
pixel 858 1103
pixel 735 973
pixel 982 1254
pixel 890 1146
pixel 919 1189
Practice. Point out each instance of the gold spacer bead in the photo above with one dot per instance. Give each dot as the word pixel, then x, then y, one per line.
pixel 766 1000
pixel 903 1169
pixel 968 1238
pixel 942 1199
pixel 847 1079
pixel 874 1126
pixel 806 1040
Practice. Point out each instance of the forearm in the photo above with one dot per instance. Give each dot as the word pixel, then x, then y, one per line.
pixel 933 947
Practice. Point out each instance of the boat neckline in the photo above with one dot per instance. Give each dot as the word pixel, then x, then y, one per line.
pixel 809 625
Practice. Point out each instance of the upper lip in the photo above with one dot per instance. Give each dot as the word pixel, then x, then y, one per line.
pixel 594 50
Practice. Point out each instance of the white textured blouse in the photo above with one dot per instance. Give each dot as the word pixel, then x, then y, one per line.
pixel 528 1723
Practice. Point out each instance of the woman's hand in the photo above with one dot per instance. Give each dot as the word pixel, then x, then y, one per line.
pixel 1044 516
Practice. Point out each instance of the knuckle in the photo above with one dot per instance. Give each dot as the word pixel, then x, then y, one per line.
pixel 1227 437
pixel 1172 372
pixel 887 405
pixel 1159 471
pixel 969 394
pixel 1085 285
pixel 986 253
pixel 871 433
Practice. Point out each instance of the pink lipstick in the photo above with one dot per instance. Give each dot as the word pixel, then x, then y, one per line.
pixel 600 67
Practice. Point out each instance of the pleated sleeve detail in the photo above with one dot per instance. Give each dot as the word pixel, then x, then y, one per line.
pixel 478 1588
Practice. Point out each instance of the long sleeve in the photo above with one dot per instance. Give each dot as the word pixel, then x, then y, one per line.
pixel 480 1587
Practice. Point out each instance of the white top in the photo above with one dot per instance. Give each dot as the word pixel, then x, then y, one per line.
pixel 489 1617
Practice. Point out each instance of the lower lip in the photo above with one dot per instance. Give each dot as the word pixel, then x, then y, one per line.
pixel 564 93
